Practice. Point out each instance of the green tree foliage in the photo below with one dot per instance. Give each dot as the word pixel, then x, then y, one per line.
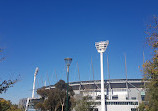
pixel 84 104
pixel 43 92
pixel 7 106
pixel 49 99
pixel 150 69
pixel 55 99
pixel 61 88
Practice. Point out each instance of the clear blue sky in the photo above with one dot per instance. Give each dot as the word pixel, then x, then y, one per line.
pixel 42 33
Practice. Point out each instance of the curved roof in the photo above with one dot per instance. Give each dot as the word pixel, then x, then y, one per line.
pixel 113 83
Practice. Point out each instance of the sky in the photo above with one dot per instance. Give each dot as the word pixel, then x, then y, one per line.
pixel 42 33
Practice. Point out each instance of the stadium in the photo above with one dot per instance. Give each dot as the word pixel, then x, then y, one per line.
pixel 120 94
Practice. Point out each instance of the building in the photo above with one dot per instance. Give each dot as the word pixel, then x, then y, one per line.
pixel 22 103
pixel 30 107
pixel 120 94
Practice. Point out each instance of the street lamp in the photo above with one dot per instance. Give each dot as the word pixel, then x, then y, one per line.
pixel 101 48
pixel 68 62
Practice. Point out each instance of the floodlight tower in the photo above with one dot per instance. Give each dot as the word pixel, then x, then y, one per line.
pixel 33 92
pixel 101 48
pixel 68 62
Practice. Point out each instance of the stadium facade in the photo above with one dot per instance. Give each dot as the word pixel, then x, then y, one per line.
pixel 120 94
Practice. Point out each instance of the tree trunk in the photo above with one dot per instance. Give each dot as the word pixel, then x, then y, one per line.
pixel 51 109
pixel 62 107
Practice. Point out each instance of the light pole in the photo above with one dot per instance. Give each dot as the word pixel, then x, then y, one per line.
pixel 68 62
pixel 33 91
pixel 101 47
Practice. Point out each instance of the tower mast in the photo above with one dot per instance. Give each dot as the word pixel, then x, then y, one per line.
pixel 33 92
pixel 79 76
pixel 101 47
pixel 110 91
pixel 126 78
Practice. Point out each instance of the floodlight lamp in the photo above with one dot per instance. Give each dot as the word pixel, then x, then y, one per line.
pixel 68 61
pixel 101 46
pixel 36 71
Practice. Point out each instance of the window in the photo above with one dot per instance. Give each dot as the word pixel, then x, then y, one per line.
pixel 97 103
pixel 115 97
pixel 95 109
pixel 133 98
pixel 98 97
pixel 90 97
pixel 134 109
pixel 121 103
pixel 143 97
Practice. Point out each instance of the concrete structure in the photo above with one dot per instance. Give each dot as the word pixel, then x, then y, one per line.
pixel 118 97
pixel 22 103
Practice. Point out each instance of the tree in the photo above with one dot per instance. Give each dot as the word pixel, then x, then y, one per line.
pixel 84 104
pixel 49 99
pixel 150 69
pixel 7 106
pixel 4 105
pixel 6 83
pixel 54 98
pixel 14 108
pixel 61 87
pixel 52 102
pixel 43 92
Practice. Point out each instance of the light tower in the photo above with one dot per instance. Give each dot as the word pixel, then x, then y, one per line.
pixel 101 47
pixel 33 91
pixel 68 62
